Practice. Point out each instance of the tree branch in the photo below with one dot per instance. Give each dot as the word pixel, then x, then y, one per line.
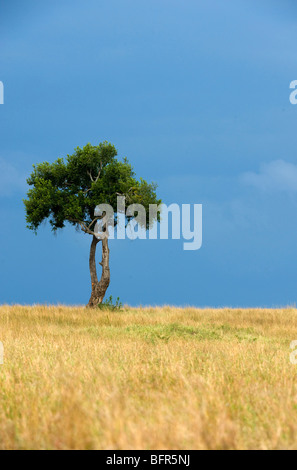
pixel 85 228
pixel 90 175
pixel 94 220
pixel 127 195
pixel 98 176
pixel 92 179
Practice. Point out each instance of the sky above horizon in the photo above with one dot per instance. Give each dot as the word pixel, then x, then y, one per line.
pixel 196 95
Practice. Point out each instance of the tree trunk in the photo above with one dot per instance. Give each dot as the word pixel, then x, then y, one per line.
pixel 99 288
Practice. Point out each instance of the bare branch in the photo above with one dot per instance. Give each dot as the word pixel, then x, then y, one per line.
pixel 94 220
pixel 85 228
pixel 99 173
pixel 127 195
pixel 92 179
pixel 90 175
pixel 98 176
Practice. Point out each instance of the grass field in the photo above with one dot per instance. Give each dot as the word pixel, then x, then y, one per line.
pixel 153 378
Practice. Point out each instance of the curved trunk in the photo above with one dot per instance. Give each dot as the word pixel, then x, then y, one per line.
pixel 99 288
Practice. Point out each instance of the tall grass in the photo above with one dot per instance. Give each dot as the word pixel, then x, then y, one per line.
pixel 153 378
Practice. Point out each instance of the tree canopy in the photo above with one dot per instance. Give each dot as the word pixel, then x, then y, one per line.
pixel 69 191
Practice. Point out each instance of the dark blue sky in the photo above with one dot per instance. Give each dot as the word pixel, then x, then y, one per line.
pixel 196 94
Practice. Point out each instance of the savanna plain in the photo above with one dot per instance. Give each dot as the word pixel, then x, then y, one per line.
pixel 147 378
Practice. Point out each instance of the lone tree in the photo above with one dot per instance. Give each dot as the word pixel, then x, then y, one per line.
pixel 70 190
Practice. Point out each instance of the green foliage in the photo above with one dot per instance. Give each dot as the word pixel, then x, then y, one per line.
pixel 69 190
pixel 109 305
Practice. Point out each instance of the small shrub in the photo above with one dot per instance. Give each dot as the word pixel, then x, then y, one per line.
pixel 109 305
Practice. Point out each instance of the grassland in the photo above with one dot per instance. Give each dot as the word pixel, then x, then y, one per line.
pixel 153 378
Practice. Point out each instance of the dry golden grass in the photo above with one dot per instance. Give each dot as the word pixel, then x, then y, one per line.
pixel 153 378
